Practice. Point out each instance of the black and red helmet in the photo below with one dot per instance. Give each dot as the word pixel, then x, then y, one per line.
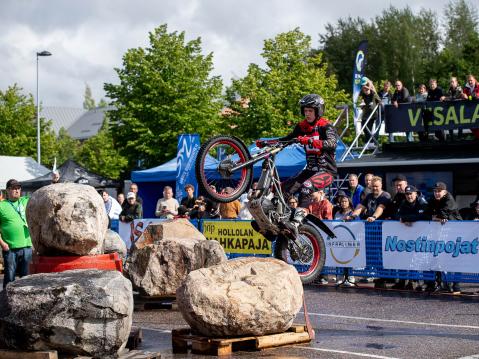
pixel 313 101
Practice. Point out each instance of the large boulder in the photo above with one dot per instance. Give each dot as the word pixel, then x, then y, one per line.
pixel 80 312
pixel 67 219
pixel 244 296
pixel 114 244
pixel 164 255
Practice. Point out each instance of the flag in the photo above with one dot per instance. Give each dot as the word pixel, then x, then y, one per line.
pixel 188 147
pixel 358 73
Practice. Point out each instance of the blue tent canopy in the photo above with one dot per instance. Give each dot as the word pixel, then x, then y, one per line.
pixel 163 173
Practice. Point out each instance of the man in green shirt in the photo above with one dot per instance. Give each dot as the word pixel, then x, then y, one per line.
pixel 15 241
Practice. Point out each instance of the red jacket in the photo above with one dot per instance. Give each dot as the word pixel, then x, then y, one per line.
pixel 471 93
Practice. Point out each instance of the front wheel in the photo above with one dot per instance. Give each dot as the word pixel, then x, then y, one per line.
pixel 214 168
pixel 308 256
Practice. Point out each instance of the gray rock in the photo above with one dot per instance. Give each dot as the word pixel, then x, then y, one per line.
pixel 66 219
pixel 114 244
pixel 80 312
pixel 162 258
pixel 244 296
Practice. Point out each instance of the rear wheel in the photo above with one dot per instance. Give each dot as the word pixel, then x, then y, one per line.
pixel 214 164
pixel 307 257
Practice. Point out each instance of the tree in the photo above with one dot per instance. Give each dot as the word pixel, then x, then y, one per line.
pixel 89 101
pixel 67 146
pixel 18 127
pixel 98 154
pixel 265 101
pixel 165 89
pixel 461 25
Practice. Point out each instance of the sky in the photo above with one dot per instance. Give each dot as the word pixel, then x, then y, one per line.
pixel 88 38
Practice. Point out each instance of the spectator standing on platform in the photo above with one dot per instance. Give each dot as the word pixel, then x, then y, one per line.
pixel 134 189
pixel 355 190
pixel 374 205
pixel 190 200
pixel 435 93
pixel 113 208
pixel 120 197
pixel 421 95
pixel 320 205
pixel 167 206
pixel 443 208
pixel 471 89
pixel 132 210
pixel 230 210
pixel 369 100
pixel 401 95
pixel 454 93
pixel 15 237
pixel 386 97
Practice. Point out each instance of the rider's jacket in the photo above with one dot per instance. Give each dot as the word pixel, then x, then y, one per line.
pixel 321 149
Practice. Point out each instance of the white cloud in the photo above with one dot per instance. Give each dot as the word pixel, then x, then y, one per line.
pixel 88 38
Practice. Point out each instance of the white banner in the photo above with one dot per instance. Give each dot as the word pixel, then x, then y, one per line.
pixel 451 247
pixel 348 249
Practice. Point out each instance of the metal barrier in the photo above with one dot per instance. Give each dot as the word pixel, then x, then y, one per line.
pixel 374 260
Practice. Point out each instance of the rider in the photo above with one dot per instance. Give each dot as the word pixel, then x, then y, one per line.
pixel 319 138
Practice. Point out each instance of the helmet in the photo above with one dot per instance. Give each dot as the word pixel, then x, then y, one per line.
pixel 312 101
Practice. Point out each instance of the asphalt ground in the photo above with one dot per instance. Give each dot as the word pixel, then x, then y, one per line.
pixel 357 323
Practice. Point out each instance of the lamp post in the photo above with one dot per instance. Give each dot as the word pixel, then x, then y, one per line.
pixel 43 53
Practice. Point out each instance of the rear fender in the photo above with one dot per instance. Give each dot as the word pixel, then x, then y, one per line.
pixel 320 224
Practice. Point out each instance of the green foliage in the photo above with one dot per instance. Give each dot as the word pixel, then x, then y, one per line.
pixel 164 90
pixel 67 146
pixel 18 127
pixel 269 96
pixel 89 101
pixel 98 154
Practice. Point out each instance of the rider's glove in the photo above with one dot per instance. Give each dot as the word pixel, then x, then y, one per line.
pixel 304 140
pixel 260 143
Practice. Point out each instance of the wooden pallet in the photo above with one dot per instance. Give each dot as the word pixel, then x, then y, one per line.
pixel 181 338
pixel 14 354
pixel 131 354
pixel 142 303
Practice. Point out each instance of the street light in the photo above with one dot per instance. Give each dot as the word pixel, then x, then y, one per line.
pixel 43 53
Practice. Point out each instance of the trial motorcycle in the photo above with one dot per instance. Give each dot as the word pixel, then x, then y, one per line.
pixel 224 170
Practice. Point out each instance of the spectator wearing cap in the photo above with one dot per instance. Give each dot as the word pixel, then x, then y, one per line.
pixel 132 210
pixel 15 237
pixel 400 184
pixel 442 205
pixel 134 189
pixel 355 190
pixel 413 208
pixel 443 208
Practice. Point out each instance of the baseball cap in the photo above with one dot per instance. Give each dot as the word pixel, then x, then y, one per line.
pixel 341 193
pixel 130 195
pixel 364 81
pixel 400 178
pixel 410 189
pixel 13 183
pixel 440 185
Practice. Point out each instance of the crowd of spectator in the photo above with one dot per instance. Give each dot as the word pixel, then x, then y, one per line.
pixel 369 99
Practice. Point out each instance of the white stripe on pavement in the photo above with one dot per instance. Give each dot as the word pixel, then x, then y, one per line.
pixel 346 352
pixel 394 321
pixel 474 356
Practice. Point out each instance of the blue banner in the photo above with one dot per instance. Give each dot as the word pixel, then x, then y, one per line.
pixel 358 73
pixel 188 147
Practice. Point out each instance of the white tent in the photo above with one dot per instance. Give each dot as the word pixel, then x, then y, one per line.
pixel 19 168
